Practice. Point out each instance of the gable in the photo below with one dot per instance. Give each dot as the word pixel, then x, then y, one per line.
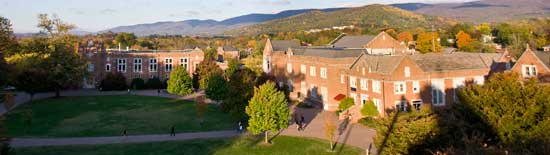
pixel 529 58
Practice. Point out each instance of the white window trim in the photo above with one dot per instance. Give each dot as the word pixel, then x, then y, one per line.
pixel 353 82
pixel 168 66
pixel 342 79
pixel 184 62
pixel 398 84
pixel 108 67
pixel 378 104
pixel 151 64
pixel 121 65
pixel 289 68
pixel 438 88
pixel 364 97
pixel 416 86
pixel 407 71
pixel 364 84
pixel 138 65
pixel 376 86
pixel 312 71
pixel 324 93
pixel 528 71
pixel 323 73
pixel 303 69
pixel 401 105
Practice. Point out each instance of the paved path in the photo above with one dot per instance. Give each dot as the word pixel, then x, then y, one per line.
pixel 350 134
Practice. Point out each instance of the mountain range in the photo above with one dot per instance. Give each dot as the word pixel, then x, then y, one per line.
pixel 476 12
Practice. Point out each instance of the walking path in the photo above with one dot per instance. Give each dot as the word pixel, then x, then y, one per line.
pixel 349 134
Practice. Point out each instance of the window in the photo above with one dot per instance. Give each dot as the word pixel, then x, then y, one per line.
pixel 184 62
pixel 303 87
pixel 400 87
pixel 153 65
pixel 378 104
pixel 323 73
pixel 479 80
pixel 417 104
pixel 416 87
pixel 376 86
pixel 289 68
pixel 438 92
pixel 364 99
pixel 342 79
pixel 529 71
pixel 363 70
pixel 108 67
pixel 168 64
pixel 121 65
pixel 352 82
pixel 364 84
pixel 407 72
pixel 324 93
pixel 354 97
pixel 312 71
pixel 303 69
pixel 91 67
pixel 137 64
pixel 401 106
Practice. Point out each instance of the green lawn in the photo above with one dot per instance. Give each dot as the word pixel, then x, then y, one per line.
pixel 109 115
pixel 246 145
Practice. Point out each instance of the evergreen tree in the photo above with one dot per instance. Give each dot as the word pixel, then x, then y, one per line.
pixel 268 110
pixel 180 82
pixel 216 88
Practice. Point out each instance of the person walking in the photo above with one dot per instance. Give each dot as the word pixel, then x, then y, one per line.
pixel 173 131
pixel 298 125
pixel 124 132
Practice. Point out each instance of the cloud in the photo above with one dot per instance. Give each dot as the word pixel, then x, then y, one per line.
pixel 108 11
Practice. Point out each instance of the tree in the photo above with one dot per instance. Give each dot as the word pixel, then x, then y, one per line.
pixel 517 112
pixel 29 72
pixel 210 54
pixel 180 82
pixel 216 88
pixel 65 67
pixel 405 36
pixel 268 110
pixel 369 109
pixel 463 41
pixel 427 42
pixel 7 39
pixel 137 83
pixel 232 67
pixel 241 85
pixel 205 70
pixel 329 130
pixel 125 39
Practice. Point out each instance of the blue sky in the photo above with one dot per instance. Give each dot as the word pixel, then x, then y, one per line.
pixel 95 15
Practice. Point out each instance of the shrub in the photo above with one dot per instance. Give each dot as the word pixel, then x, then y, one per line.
pixel 154 83
pixel 369 122
pixel 369 109
pixel 180 82
pixel 137 83
pixel 345 104
pixel 113 81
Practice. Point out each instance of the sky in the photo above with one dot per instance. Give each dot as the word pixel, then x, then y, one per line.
pixel 97 15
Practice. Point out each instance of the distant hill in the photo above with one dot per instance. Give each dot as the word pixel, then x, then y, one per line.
pixel 374 16
pixel 207 27
pixel 484 10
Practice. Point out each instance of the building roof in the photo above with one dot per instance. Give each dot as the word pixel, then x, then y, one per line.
pixel 283 45
pixel 353 41
pixel 229 48
pixel 437 62
pixel 327 52
pixel 544 57
pixel 382 64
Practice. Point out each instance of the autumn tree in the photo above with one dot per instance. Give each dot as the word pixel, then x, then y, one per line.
pixel 180 82
pixel 268 110
pixel 405 36
pixel 205 70
pixel 464 41
pixel 427 42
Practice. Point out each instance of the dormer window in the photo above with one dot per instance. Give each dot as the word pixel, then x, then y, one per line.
pixel 529 71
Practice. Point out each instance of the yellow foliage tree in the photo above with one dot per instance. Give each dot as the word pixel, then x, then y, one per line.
pixel 463 40
pixel 427 42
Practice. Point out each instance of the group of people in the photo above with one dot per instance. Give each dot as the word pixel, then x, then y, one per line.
pixel 301 123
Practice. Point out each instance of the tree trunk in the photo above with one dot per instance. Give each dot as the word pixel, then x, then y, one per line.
pixel 57 93
pixel 331 145
pixel 265 140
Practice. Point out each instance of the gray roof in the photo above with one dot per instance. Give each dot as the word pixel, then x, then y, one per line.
pixel 283 45
pixel 455 61
pixel 353 41
pixel 382 64
pixel 327 52
pixel 229 48
pixel 544 57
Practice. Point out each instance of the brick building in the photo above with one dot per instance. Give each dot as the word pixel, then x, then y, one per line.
pixel 143 64
pixel 377 68
pixel 533 64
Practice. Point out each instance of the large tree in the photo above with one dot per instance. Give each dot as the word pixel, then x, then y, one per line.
pixel 241 85
pixel 268 110
pixel 405 36
pixel 7 39
pixel 206 69
pixel 464 41
pixel 180 82
pixel 65 67
pixel 125 39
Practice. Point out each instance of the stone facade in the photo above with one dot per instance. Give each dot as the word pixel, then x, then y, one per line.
pixel 383 71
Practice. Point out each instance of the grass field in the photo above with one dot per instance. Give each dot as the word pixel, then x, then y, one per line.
pixel 109 116
pixel 246 145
